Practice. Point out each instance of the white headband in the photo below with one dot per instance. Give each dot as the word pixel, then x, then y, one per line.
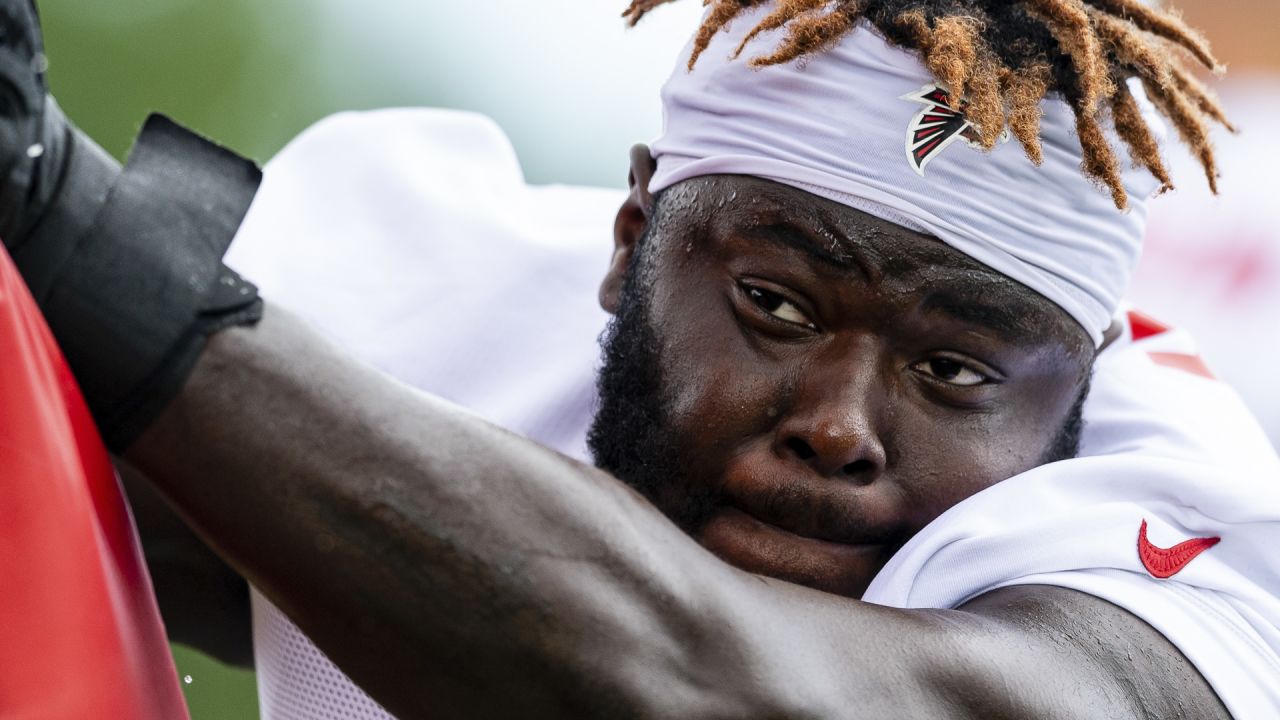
pixel 856 124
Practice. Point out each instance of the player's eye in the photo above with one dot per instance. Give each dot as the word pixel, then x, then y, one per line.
pixel 777 306
pixel 952 372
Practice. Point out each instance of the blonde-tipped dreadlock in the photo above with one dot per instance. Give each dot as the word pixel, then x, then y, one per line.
pixel 1005 56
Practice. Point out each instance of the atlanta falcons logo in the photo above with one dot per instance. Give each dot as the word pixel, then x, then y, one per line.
pixel 938 125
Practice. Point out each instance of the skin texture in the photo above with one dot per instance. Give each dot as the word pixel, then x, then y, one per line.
pixel 455 570
pixel 807 450
pixel 824 383
pixel 479 575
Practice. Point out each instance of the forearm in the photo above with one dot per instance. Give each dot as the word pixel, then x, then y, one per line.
pixel 456 570
pixel 403 533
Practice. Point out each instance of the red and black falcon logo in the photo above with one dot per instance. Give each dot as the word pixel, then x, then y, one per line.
pixel 938 125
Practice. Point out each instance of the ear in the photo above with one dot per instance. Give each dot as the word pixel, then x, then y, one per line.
pixel 633 218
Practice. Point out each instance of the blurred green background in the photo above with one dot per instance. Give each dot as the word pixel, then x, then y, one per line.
pixel 571 86
pixel 567 81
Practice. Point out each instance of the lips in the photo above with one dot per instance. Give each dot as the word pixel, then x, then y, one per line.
pixel 810 519
pixel 779 518
pixel 745 519
pixel 762 548
pixel 816 508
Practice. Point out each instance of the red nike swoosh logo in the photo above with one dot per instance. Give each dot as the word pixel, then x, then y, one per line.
pixel 1167 562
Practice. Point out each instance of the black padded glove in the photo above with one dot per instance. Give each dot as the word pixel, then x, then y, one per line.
pixel 125 264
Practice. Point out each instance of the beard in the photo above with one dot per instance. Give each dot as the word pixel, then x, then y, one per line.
pixel 632 436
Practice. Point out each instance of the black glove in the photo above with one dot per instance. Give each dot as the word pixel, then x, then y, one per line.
pixel 125 264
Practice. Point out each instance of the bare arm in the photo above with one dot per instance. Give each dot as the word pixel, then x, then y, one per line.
pixel 454 569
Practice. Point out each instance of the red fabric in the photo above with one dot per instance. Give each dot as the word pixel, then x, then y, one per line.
pixel 1145 326
pixel 80 634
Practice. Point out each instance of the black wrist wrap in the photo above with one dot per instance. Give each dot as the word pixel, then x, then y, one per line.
pixel 134 299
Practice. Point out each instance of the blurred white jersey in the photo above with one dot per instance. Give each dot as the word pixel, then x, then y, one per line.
pixel 410 238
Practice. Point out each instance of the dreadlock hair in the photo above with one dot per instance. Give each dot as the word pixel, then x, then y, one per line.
pixel 1005 56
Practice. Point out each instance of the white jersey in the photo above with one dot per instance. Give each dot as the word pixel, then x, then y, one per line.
pixel 410 238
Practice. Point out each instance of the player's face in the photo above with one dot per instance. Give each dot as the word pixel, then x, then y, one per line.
pixel 804 387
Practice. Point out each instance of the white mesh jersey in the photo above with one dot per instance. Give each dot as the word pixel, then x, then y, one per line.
pixel 410 238
pixel 295 679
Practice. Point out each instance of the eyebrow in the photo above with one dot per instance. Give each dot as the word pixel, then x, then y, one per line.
pixel 839 254
pixel 1012 319
pixel 992 307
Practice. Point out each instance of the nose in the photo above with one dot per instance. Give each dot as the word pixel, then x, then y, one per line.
pixel 834 428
